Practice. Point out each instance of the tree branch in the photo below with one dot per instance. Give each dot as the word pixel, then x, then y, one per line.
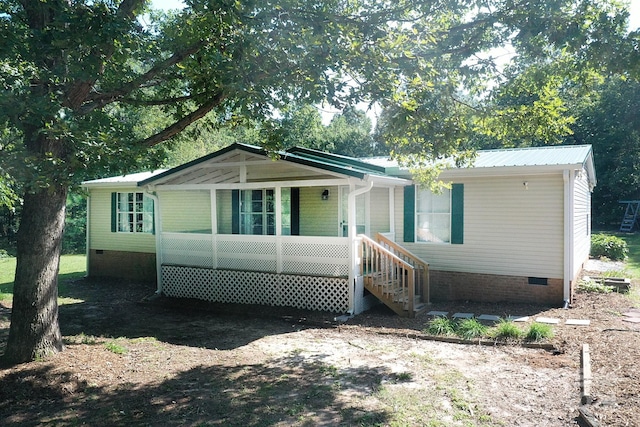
pixel 185 121
pixel 99 100
pixel 76 94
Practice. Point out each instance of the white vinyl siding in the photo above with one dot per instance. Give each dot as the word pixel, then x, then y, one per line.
pixel 186 211
pixel 508 229
pixel 582 221
pixel 224 211
pixel 379 210
pixel 319 217
pixel 100 235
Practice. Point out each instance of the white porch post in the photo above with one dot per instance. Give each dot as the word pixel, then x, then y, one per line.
pixel 354 262
pixel 214 227
pixel 278 219
pixel 158 229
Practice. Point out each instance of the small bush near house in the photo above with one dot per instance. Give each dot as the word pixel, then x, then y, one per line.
pixel 471 328
pixel 507 329
pixel 595 286
pixel 606 245
pixel 440 326
pixel 539 332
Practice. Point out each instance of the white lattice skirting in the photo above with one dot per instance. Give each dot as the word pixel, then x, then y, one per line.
pixel 248 287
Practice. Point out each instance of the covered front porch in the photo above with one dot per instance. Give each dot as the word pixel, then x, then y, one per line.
pixel 239 227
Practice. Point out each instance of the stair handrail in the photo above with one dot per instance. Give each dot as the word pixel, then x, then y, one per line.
pixel 408 288
pixel 382 238
pixel 386 250
pixel 418 262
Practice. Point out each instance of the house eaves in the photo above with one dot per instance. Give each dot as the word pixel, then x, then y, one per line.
pixel 130 180
pixel 341 165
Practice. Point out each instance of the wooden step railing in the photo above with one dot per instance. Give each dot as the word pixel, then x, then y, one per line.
pixel 391 278
pixel 421 267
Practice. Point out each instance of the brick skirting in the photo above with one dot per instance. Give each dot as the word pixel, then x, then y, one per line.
pixel 457 286
pixel 136 266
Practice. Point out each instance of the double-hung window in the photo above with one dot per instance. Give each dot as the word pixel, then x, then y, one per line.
pixel 433 216
pixel 133 213
pixel 257 212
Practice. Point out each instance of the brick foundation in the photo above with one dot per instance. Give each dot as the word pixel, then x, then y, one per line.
pixel 455 286
pixel 135 266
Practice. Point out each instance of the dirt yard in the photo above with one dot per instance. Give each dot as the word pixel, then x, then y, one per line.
pixel 132 363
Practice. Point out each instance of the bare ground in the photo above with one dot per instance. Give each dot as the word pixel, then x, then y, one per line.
pixel 186 363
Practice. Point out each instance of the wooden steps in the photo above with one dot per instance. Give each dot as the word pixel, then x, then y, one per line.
pixel 394 296
pixel 394 275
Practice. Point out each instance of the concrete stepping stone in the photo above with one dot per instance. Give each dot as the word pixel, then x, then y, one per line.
pixel 518 318
pixel 436 313
pixel 632 313
pixel 462 315
pixel 548 320
pixel 578 322
pixel 631 319
pixel 491 317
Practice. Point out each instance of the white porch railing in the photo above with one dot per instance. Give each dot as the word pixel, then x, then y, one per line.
pixel 306 255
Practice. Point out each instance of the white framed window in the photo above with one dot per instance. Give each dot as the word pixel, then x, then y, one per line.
pixel 134 213
pixel 257 212
pixel 433 216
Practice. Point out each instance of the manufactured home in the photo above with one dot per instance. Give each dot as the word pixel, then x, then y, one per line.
pixel 325 232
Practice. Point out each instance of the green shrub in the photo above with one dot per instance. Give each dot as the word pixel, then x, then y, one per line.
pixel 470 328
pixel 595 286
pixel 606 245
pixel 440 326
pixel 539 332
pixel 507 329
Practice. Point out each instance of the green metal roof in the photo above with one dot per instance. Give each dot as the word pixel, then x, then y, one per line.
pixel 304 156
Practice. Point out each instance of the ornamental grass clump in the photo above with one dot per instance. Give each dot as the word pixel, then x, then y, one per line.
pixel 440 326
pixel 539 332
pixel 470 328
pixel 506 329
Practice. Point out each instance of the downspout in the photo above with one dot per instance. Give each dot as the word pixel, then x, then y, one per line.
pixel 351 203
pixel 87 239
pixel 568 235
pixel 157 223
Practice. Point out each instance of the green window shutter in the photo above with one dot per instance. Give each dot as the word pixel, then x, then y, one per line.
pixel 457 214
pixel 114 212
pixel 409 213
pixel 295 211
pixel 153 216
pixel 235 211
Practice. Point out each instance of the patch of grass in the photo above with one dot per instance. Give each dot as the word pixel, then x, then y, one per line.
pixel 633 257
pixel 470 328
pixel 506 329
pixel 71 267
pixel 115 347
pixel 440 326
pixel 539 332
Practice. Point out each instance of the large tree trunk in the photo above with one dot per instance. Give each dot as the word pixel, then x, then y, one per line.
pixel 35 331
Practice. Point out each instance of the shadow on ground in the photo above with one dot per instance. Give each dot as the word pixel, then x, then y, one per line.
pixel 117 309
pixel 284 391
